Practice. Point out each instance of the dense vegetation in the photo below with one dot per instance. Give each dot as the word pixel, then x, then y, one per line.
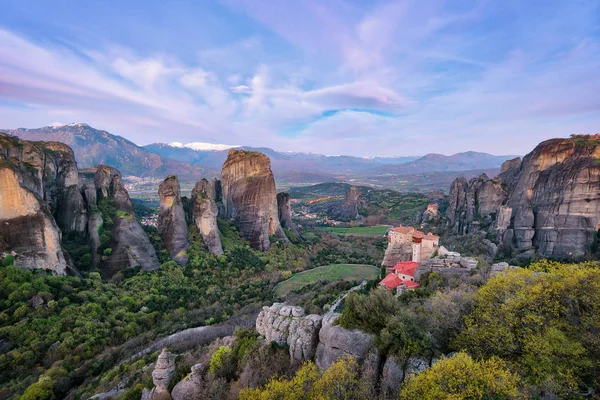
pixel 57 326
pixel 378 206
pixel 541 322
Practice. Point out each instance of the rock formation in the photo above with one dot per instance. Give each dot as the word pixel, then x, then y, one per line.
pixel 172 225
pixel 311 335
pixel 204 209
pixel 447 266
pixel 43 196
pixel 349 208
pixel 285 212
pixel 336 342
pixel 249 197
pixel 27 230
pixel 161 376
pixel 37 182
pixel 548 204
pixel 192 386
pixel 129 242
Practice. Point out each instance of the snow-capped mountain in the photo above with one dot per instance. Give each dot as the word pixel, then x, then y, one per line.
pixel 201 146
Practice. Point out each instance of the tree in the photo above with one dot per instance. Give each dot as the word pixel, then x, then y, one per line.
pixel 544 321
pixel 340 381
pixel 461 377
pixel 369 313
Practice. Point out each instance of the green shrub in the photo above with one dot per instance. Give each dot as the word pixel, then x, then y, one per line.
pixel 8 260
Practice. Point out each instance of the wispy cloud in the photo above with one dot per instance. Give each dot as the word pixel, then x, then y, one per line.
pixel 384 78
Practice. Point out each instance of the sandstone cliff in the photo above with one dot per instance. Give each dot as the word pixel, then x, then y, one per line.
pixel 285 212
pixel 548 204
pixel 37 182
pixel 172 225
pixel 129 242
pixel 310 336
pixel 249 197
pixel 352 200
pixel 205 212
pixel 43 196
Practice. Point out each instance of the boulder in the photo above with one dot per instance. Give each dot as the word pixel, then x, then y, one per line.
pixel 303 337
pixel 336 342
pixel 172 226
pixel 192 386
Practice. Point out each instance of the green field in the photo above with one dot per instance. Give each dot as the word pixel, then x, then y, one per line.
pixel 334 272
pixel 358 231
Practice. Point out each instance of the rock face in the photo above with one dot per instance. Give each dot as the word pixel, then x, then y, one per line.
pixel 284 212
pixel 249 197
pixel 349 208
pixel 288 325
pixel 27 230
pixel 548 204
pixel 43 196
pixel 475 203
pixel 336 342
pixel 172 225
pixel 205 211
pixel 192 386
pixel 312 335
pixel 161 376
pixel 447 266
pixel 129 242
pixel 38 184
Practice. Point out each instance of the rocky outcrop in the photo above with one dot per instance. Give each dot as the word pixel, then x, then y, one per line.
pixel 192 386
pixel 249 197
pixel 161 376
pixel 172 226
pixel 285 324
pixel 43 196
pixel 129 242
pixel 284 212
pixel 27 230
pixel 336 342
pixel 205 211
pixel 474 204
pixel 447 266
pixel 395 253
pixel 349 208
pixel 551 201
pixel 37 182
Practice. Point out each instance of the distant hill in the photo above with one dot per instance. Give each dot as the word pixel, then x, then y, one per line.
pixel 466 161
pixel 280 161
pixel 93 147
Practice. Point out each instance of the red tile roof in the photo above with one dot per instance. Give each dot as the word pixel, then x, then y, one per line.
pixel 406 268
pixel 391 281
pixel 410 284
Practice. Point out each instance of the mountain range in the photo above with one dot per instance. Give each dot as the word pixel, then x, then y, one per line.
pixel 93 147
pixel 193 160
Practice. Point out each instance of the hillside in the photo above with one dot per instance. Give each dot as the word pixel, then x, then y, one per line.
pixel 469 160
pixel 93 147
pixel 280 161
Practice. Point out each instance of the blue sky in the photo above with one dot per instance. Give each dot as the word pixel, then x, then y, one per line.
pixel 336 77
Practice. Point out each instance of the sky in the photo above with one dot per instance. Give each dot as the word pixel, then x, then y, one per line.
pixel 363 78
